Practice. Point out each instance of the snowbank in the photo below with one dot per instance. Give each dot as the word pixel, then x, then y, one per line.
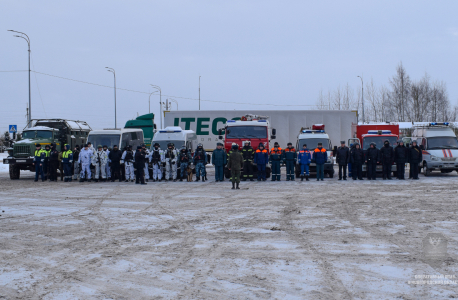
pixel 3 168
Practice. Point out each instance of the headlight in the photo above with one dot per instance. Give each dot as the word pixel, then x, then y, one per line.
pixel 435 158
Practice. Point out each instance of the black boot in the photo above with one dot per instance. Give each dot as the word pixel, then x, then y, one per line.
pixel 197 178
pixel 306 178
pixel 237 186
pixel 251 179
pixel 233 185
pixel 302 178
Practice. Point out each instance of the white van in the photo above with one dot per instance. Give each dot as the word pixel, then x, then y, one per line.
pixel 121 137
pixel 439 146
pixel 177 136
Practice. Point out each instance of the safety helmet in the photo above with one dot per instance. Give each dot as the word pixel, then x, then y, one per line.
pixel 386 142
pixel 37 145
pixel 247 142
pixel 276 144
pixel 105 146
pixel 199 145
pixel 156 145
pixel 373 144
pixel 129 146
pixel 235 146
pixel 413 141
pixel 99 146
pixel 219 144
pixel 170 145
pixel 47 146
pixel 143 146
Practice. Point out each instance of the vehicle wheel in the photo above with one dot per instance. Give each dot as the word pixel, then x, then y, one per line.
pixel 15 172
pixel 426 171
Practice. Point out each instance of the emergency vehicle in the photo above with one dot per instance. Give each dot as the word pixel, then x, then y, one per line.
pixel 253 128
pixel 375 133
pixel 311 137
pixel 439 147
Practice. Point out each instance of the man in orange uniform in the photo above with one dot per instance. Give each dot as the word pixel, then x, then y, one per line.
pixel 275 160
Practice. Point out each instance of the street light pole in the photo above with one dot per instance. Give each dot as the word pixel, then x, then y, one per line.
pixel 199 92
pixel 149 102
pixel 114 74
pixel 160 100
pixel 27 39
pixel 362 96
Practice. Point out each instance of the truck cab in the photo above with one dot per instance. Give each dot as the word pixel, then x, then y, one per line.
pixel 145 123
pixel 253 128
pixel 311 137
pixel 375 133
pixel 439 147
pixel 44 132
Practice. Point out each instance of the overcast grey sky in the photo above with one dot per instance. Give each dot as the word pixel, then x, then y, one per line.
pixel 275 52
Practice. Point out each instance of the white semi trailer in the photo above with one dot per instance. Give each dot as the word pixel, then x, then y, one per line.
pixel 287 123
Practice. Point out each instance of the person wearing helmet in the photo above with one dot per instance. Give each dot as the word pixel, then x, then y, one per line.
pixel 275 159
pixel 372 159
pixel 171 157
pixel 261 158
pixel 38 159
pixel 67 163
pixel 84 160
pixel 108 165
pixel 415 157
pixel 156 157
pixel 200 160
pixel 219 160
pixel 99 161
pixel 115 158
pixel 304 158
pixel 247 153
pixel 289 159
pixel 184 159
pixel 400 158
pixel 320 156
pixel 139 165
pixel 76 166
pixel 127 159
pixel 387 154
pixel 146 168
pixel 357 160
pixel 235 165
pixel 53 163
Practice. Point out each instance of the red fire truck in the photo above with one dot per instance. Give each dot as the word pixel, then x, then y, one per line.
pixel 253 128
pixel 374 133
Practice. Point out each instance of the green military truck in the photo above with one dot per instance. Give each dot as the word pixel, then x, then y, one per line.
pixel 44 132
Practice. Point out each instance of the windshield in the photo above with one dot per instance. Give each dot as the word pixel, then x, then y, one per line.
pixel 42 134
pixel 444 142
pixel 104 139
pixel 241 132
pixel 163 144
pixel 379 141
pixel 313 143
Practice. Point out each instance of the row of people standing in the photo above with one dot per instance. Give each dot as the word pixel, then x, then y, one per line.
pixel 386 156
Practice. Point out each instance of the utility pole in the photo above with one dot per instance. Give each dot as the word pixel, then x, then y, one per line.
pixel 114 74
pixel 199 92
pixel 29 114
pixel 160 100
pixel 362 96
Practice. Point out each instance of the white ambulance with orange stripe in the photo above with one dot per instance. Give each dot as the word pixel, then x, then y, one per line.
pixel 439 145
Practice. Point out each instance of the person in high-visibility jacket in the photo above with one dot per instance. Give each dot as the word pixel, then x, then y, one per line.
pixel 290 158
pixel 45 162
pixel 38 159
pixel 261 158
pixel 320 156
pixel 304 158
pixel 247 153
pixel 67 163
pixel 275 160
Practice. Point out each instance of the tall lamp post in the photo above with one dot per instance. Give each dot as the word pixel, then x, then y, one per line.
pixel 149 102
pixel 160 100
pixel 114 74
pixel 27 39
pixel 199 92
pixel 362 96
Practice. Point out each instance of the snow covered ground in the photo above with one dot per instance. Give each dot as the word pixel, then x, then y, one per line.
pixel 3 168
pixel 282 240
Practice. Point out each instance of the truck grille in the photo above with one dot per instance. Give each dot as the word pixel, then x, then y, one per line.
pixel 21 151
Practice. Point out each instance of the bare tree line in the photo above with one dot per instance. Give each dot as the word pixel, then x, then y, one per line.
pixel 401 100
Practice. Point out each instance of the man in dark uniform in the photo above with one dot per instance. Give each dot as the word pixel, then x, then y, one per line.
pixel 248 155
pixel 343 158
pixel 115 158
pixel 275 159
pixel 357 161
pixel 235 165
pixel 47 152
pixel 415 157
pixel 53 163
pixel 139 164
pixel 387 153
pixel 400 157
